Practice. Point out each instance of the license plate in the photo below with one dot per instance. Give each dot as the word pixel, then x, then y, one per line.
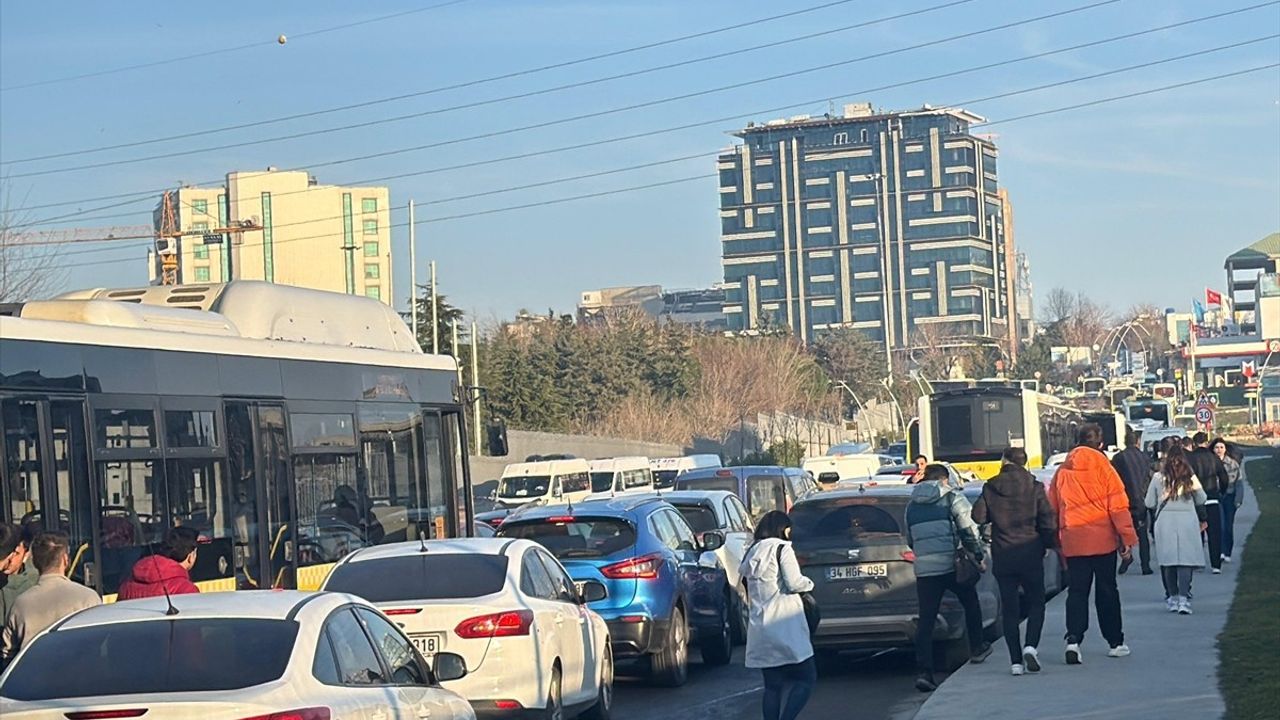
pixel 858 572
pixel 428 644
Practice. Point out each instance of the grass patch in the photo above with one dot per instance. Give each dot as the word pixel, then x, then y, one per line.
pixel 1249 647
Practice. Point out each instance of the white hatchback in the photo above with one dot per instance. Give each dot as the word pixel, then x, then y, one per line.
pixel 248 655
pixel 507 607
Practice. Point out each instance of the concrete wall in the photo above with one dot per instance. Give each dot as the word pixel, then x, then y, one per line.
pixel 524 443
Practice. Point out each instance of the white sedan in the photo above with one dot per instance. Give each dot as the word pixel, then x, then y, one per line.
pixel 507 607
pixel 263 654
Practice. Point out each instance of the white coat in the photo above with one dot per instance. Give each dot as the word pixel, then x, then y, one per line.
pixel 1177 526
pixel 778 633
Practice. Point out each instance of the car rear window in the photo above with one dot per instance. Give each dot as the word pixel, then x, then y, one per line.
pixel 569 538
pixel 153 656
pixel 728 483
pixel 846 521
pixel 700 518
pixel 424 576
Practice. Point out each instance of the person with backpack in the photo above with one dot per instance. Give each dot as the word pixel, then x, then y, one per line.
pixel 778 641
pixel 939 523
pixel 1178 503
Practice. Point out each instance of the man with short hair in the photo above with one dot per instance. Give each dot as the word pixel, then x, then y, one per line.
pixel 165 572
pixel 1023 528
pixel 1215 480
pixel 921 462
pixel 1093 523
pixel 54 596
pixel 1134 468
pixel 16 574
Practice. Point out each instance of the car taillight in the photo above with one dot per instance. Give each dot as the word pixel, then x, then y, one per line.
pixel 644 567
pixel 909 555
pixel 402 611
pixel 311 713
pixel 106 714
pixel 503 624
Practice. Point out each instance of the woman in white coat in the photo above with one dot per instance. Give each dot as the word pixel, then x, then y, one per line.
pixel 778 634
pixel 1177 499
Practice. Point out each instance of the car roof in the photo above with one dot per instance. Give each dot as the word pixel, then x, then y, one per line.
pixel 456 546
pixel 738 471
pixel 601 506
pixel 258 604
pixel 873 490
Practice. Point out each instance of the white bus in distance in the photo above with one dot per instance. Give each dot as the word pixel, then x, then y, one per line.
pixel 666 470
pixel 544 480
pixel 621 475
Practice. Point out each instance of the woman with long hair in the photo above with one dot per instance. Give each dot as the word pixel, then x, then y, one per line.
pixel 778 634
pixel 1232 498
pixel 1177 500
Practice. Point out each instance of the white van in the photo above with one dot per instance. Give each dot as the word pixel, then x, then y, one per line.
pixel 666 470
pixel 844 467
pixel 618 476
pixel 546 480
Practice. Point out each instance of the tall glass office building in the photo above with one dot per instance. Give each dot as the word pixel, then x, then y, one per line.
pixel 887 222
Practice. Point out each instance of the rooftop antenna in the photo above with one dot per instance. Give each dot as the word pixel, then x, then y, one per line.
pixel 422 541
pixel 171 610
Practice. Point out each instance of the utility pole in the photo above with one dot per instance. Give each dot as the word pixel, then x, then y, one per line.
pixel 475 381
pixel 435 314
pixel 453 348
pixel 413 274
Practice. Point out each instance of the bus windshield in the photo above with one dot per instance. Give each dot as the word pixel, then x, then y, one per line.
pixel 976 427
pixel 601 481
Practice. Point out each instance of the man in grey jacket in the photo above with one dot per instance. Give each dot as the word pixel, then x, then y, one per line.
pixel 53 597
pixel 938 523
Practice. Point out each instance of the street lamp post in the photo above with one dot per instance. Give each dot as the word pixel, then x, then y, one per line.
pixel 861 409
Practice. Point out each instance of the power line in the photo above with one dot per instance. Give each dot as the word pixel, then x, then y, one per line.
pixel 223 51
pixel 442 88
pixel 717 120
pixel 558 121
pixel 556 201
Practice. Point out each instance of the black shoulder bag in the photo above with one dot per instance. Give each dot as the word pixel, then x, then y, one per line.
pixel 812 615
pixel 967 569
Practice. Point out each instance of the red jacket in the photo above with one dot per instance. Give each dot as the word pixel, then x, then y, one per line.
pixel 154 574
pixel 1092 505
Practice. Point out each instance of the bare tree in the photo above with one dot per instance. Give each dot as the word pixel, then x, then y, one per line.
pixel 27 270
pixel 1074 318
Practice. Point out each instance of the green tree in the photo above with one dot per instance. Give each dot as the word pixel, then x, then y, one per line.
pixel 447 315
pixel 849 356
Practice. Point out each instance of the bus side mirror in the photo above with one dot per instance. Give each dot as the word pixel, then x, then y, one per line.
pixel 497 438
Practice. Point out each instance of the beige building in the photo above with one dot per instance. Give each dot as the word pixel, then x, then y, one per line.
pixel 326 237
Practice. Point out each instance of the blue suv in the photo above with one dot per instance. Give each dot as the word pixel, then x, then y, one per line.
pixel 666 588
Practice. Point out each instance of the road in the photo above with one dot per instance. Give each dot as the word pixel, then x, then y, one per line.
pixel 854 685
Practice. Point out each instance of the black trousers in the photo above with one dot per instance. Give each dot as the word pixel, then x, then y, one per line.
pixel 1096 572
pixel 1144 539
pixel 1213 516
pixel 1031 582
pixel 929 592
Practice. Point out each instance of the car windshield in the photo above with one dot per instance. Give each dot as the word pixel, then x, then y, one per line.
pixel 525 486
pixel 664 478
pixel 152 656
pixel 700 518
pixel 601 481
pixel 846 521
pixel 422 576
pixel 577 537
pixel 711 482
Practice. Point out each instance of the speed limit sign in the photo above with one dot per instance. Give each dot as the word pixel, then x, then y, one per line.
pixel 1204 415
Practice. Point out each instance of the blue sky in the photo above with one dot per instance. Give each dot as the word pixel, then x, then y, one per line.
pixel 1135 201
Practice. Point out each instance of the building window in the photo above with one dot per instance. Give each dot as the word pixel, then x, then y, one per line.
pixel 371 249
pixel 370 227
pixel 202 273
pixel 841 138
pixel 371 271
pixel 201 207
pixel 373 291
pixel 862 135
pixel 369 205
pixel 201 251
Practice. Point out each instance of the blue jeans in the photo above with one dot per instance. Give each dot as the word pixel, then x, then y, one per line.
pixel 801 676
pixel 1228 522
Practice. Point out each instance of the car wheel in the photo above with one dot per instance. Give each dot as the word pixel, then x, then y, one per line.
pixel 670 668
pixel 717 648
pixel 555 702
pixel 603 709
pixel 741 616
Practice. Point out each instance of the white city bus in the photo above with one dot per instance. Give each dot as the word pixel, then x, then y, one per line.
pixel 287 426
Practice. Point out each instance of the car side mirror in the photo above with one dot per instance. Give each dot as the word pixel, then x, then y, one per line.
pixel 712 540
pixel 593 591
pixel 497 432
pixel 449 666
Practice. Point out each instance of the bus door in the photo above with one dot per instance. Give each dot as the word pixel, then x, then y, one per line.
pixel 46 473
pixel 262 487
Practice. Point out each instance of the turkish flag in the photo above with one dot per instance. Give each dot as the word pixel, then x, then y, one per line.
pixel 1212 297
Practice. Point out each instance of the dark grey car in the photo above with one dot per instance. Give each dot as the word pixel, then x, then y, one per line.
pixel 852 544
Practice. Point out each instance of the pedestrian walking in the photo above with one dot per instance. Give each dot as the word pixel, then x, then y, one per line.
pixel 16 573
pixel 1023 528
pixel 1094 525
pixel 1212 474
pixel 1178 502
pixel 939 523
pixel 1166 446
pixel 1232 498
pixel 165 572
pixel 1134 468
pixel 54 596
pixel 777 634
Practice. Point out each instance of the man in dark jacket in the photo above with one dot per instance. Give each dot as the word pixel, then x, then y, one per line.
pixel 1023 527
pixel 1214 479
pixel 1134 468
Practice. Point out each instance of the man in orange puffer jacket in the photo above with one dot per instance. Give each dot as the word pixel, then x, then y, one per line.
pixel 1094 525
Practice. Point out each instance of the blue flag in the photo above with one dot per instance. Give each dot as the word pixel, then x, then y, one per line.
pixel 1198 310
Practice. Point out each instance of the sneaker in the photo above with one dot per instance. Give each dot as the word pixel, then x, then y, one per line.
pixel 982 653
pixel 1217 571
pixel 1125 564
pixel 1226 558
pixel 1148 571
pixel 1016 670
pixel 1172 603
pixel 924 683
pixel 1031 658
pixel 1073 654
pixel 1119 651
pixel 1184 607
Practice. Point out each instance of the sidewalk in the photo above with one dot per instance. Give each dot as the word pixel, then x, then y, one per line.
pixel 1173 671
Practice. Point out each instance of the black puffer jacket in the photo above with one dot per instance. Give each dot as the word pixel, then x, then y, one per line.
pixel 1023 525
pixel 1211 472
pixel 1134 468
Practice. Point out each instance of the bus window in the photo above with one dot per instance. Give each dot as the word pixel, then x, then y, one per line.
pixel 125 429
pixel 439 485
pixel 391 448
pixel 22 458
pixel 71 466
pixel 334 517
pixel 131 516
pixel 198 499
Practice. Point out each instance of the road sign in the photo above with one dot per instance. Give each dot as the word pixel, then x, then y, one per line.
pixel 1204 415
pixel 1248 368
